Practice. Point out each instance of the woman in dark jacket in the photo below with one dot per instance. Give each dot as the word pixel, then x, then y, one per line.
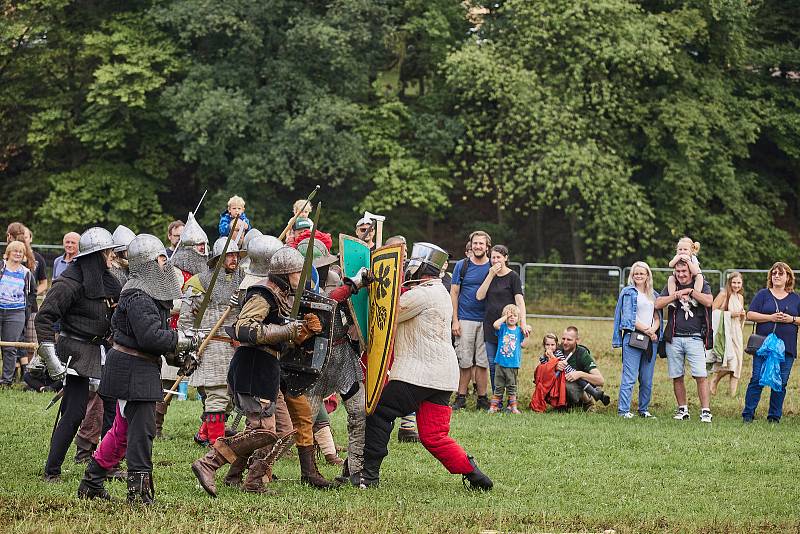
pixel 132 373
pixel 82 300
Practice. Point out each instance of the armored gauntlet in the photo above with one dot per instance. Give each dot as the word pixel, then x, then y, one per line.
pixel 55 367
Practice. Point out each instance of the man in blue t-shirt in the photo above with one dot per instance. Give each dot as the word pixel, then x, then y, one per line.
pixel 468 314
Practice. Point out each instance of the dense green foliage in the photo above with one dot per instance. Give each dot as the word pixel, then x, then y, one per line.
pixel 552 472
pixel 590 131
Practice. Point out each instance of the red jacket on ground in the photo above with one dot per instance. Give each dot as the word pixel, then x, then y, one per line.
pixel 550 388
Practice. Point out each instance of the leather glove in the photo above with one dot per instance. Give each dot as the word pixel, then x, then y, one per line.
pixel 55 367
pixel 311 325
pixel 188 364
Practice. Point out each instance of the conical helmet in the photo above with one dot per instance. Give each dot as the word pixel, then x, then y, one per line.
pixel 192 233
pixel 122 237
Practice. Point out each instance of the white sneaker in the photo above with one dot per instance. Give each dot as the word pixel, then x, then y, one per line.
pixel 646 415
pixel 626 415
pixel 681 414
pixel 705 416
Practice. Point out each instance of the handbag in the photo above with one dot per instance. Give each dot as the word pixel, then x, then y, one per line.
pixel 639 340
pixel 755 341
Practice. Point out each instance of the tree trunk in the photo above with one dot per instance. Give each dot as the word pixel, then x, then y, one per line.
pixel 578 254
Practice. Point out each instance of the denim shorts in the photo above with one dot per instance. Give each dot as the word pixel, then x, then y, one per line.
pixel 691 349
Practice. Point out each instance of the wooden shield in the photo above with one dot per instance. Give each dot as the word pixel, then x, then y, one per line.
pixel 384 295
pixel 353 255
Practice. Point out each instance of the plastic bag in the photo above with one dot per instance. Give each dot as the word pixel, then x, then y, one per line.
pixel 774 350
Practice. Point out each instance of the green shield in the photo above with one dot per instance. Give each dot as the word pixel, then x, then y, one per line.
pixel 353 255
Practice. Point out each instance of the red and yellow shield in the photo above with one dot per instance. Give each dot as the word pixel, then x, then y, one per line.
pixel 384 293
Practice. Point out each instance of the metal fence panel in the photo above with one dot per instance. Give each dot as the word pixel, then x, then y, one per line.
pixel 753 280
pixel 568 289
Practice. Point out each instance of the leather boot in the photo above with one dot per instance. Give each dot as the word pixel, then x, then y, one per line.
pixel 477 479
pixel 205 470
pixel 324 439
pixel 161 412
pixel 91 486
pixel 259 473
pixel 234 477
pixel 140 487
pixel 369 477
pixel 309 474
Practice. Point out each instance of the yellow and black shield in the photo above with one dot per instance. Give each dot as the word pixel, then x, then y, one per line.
pixel 384 293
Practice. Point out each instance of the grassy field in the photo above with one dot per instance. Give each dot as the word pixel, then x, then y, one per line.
pixel 552 472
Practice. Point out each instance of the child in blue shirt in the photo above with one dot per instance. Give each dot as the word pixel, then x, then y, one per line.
pixel 510 341
pixel 235 209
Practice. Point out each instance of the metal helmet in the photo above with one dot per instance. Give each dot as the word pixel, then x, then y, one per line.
pixel 322 255
pixel 219 246
pixel 286 260
pixel 251 234
pixel 93 240
pixel 122 237
pixel 426 259
pixel 192 233
pixel 144 248
pixel 260 251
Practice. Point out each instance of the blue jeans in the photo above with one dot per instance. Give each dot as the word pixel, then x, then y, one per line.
pixel 491 351
pixel 753 394
pixel 635 365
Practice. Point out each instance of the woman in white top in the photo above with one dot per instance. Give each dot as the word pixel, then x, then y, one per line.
pixel 728 319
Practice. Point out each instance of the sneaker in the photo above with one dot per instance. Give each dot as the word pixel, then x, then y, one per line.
pixel 705 416
pixel 646 415
pixel 626 415
pixel 459 403
pixel 681 414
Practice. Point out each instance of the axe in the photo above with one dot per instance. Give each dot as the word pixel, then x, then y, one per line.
pixel 377 222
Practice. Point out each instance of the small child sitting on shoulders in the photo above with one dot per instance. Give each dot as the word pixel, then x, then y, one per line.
pixel 510 341
pixel 301 208
pixel 686 250
pixel 235 209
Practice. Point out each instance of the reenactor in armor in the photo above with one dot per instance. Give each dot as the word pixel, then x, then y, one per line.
pixel 210 378
pixel 132 372
pixel 82 300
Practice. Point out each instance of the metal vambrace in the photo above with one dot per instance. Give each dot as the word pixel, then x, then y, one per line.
pixel 184 345
pixel 94 384
pixel 55 367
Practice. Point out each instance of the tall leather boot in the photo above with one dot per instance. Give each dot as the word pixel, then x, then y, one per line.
pixel 260 469
pixel 229 450
pixel 140 487
pixel 234 477
pixel 324 439
pixel 161 413
pixel 91 486
pixel 309 474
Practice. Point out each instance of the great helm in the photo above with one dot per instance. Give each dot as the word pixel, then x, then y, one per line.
pixel 144 248
pixel 192 233
pixel 260 251
pixel 219 245
pixel 426 259
pixel 93 240
pixel 286 260
pixel 251 234
pixel 122 237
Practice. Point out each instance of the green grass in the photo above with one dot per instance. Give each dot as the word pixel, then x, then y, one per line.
pixel 552 472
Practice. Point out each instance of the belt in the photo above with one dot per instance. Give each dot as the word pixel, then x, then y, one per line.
pixel 262 348
pixel 225 339
pixel 695 334
pixel 95 340
pixel 133 352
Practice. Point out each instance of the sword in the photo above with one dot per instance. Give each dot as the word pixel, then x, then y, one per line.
pixel 293 219
pixel 180 239
pixel 201 310
pixel 55 398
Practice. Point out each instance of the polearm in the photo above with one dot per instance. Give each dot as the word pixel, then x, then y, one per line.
pixel 227 311
pixel 305 274
pixel 19 345
pixel 294 218
pixel 180 239
pixel 201 310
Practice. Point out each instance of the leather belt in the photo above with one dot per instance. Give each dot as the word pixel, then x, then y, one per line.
pixel 262 348
pixel 133 352
pixel 95 340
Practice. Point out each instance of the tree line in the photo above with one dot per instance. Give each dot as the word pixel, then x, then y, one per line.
pixel 571 130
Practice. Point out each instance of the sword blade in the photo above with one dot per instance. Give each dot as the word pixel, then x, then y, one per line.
pixel 305 274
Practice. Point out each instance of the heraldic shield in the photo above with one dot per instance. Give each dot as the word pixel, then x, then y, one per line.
pixel 384 294
pixel 353 255
pixel 302 365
